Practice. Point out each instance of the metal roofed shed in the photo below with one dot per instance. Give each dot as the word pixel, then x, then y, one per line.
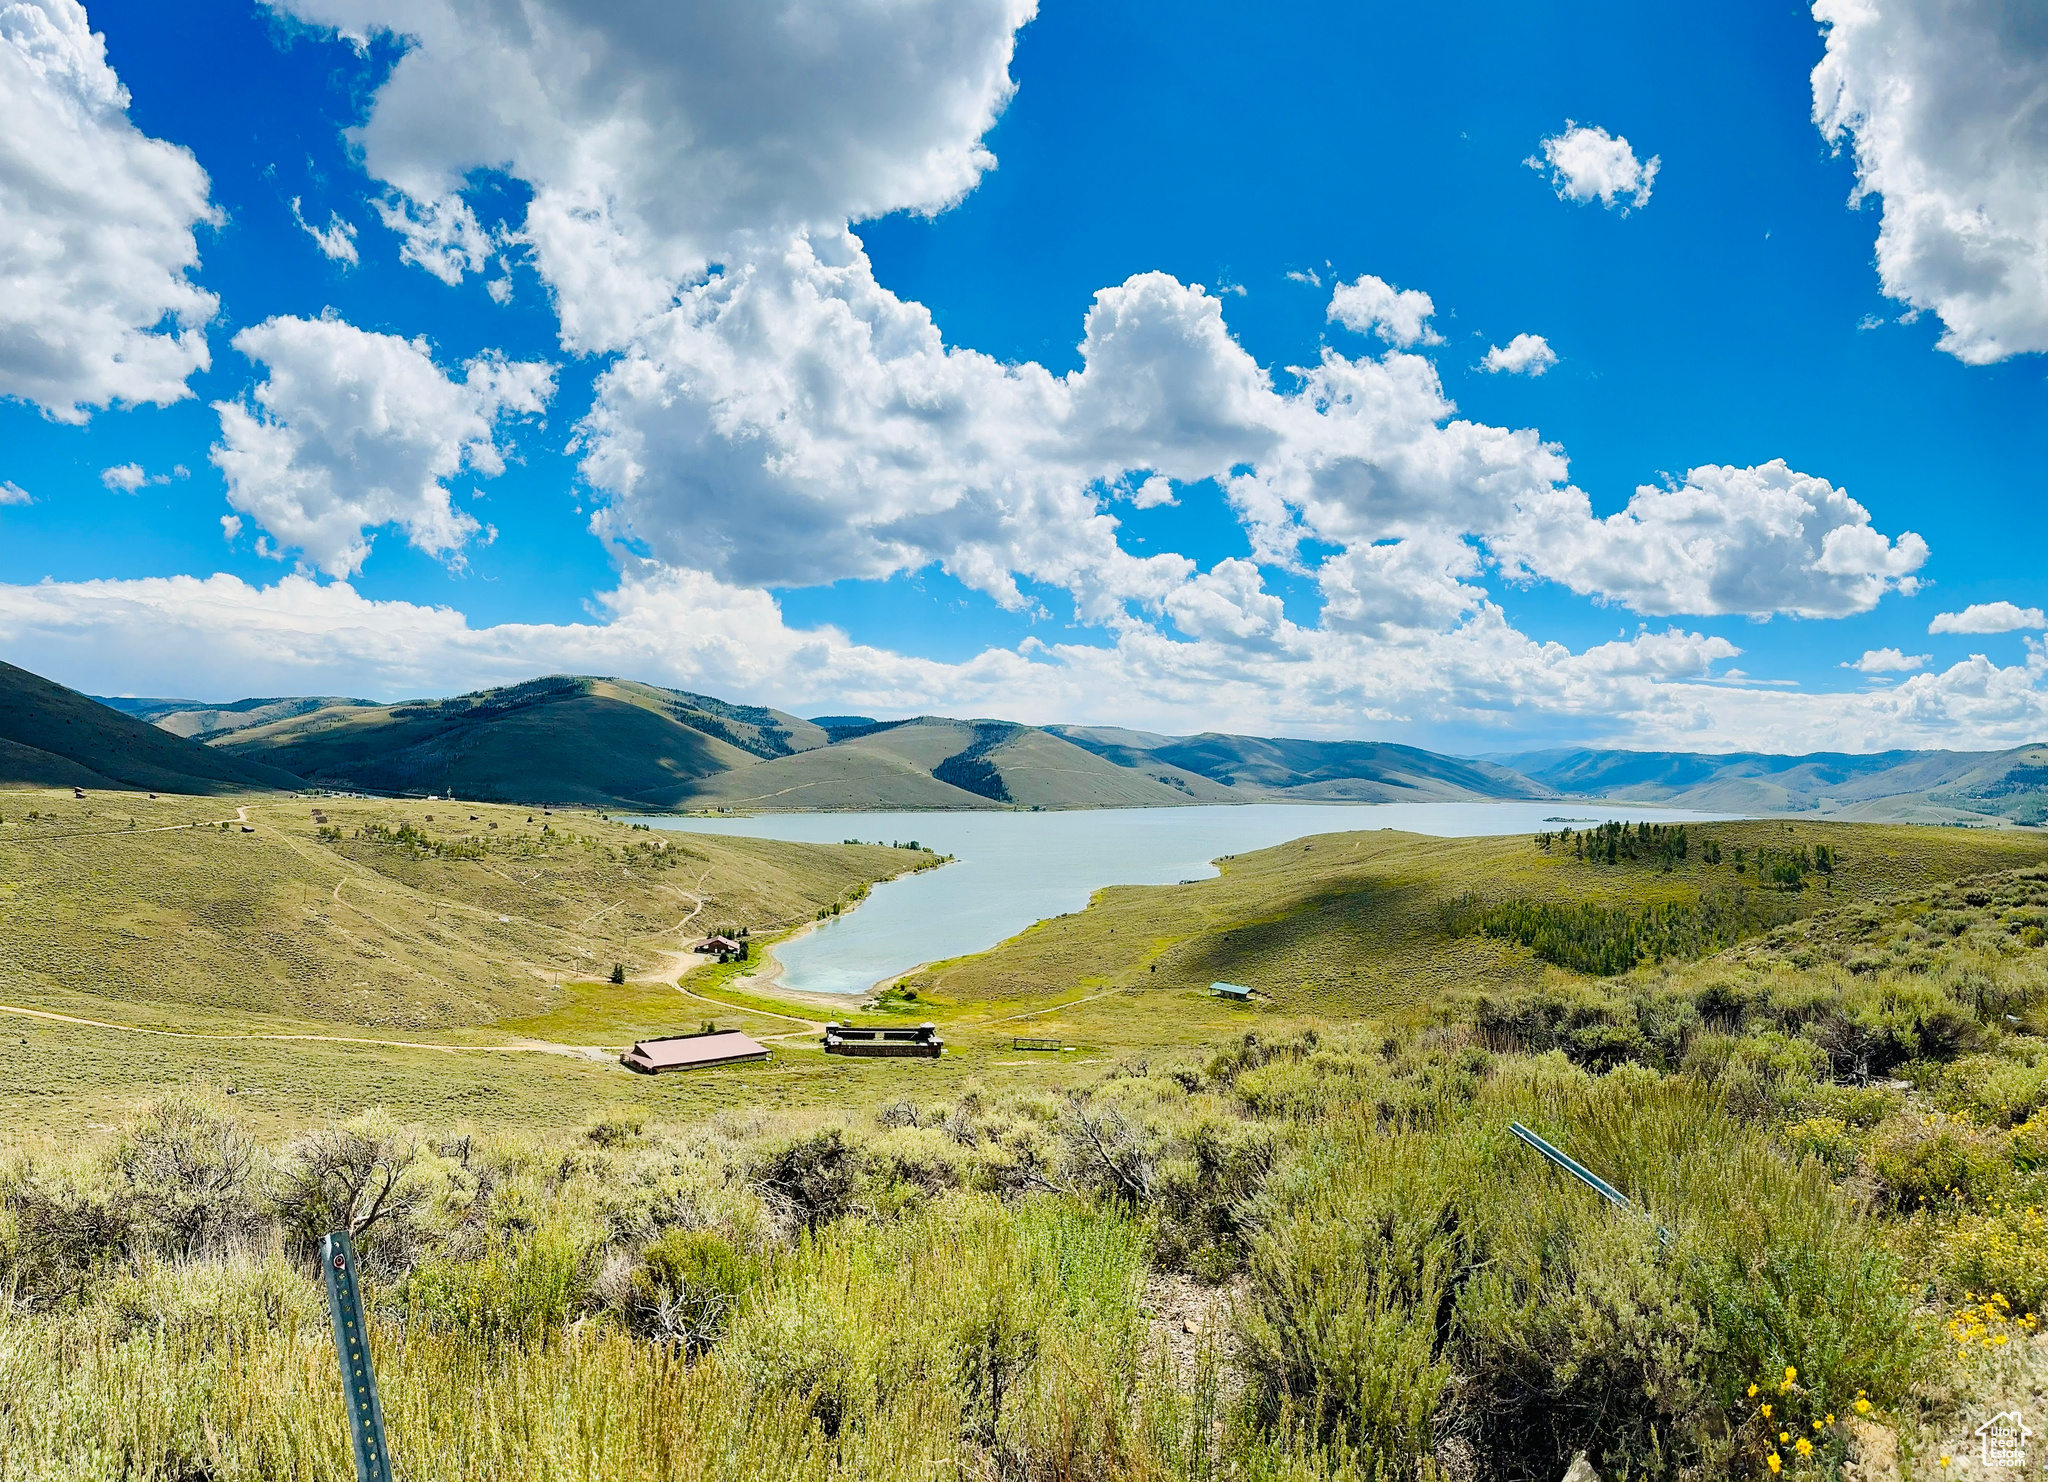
pixel 1234 991
pixel 692 1051
pixel 921 1043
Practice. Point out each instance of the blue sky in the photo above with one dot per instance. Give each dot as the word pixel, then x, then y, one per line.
pixel 602 416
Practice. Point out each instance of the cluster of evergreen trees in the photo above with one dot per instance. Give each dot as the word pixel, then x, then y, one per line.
pixel 1668 845
pixel 1616 843
pixel 1787 869
pixel 420 844
pixel 1604 940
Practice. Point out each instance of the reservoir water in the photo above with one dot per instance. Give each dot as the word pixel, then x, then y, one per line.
pixel 1013 869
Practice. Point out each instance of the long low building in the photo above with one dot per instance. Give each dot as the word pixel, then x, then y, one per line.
pixel 693 1051
pixel 921 1043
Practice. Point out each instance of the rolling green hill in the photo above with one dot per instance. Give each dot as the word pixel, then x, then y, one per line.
pixel 1903 786
pixel 1318 771
pixel 933 762
pixel 1357 923
pixel 605 742
pixel 51 736
pixel 617 743
pixel 197 721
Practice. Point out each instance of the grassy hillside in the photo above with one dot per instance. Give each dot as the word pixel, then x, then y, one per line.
pixel 617 743
pixel 938 763
pixel 197 721
pixel 1356 923
pixel 51 736
pixel 410 915
pixel 604 742
pixel 594 741
pixel 1296 1250
pixel 1902 786
pixel 1322 771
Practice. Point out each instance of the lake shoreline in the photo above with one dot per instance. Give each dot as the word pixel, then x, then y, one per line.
pixel 1013 869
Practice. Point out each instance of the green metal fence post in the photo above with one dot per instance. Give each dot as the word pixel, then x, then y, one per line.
pixel 1583 1174
pixel 352 1346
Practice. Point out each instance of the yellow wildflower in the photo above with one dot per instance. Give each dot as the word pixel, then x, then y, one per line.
pixel 1773 1463
pixel 1790 1373
pixel 1752 1391
pixel 1804 1447
pixel 1767 1411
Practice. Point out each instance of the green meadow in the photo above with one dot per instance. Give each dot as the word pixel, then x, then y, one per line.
pixel 1286 1239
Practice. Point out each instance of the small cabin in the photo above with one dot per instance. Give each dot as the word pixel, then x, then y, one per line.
pixel 921 1043
pixel 1235 992
pixel 698 1051
pixel 727 948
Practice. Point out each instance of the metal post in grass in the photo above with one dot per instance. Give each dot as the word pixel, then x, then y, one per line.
pixel 352 1346
pixel 1583 1174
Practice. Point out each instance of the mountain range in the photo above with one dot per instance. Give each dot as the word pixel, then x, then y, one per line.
pixel 616 743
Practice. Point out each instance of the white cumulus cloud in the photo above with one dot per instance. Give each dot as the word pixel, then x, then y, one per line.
pixel 13 493
pixel 1988 617
pixel 96 228
pixel 1728 540
pixel 1888 661
pixel 1524 355
pixel 777 417
pixel 1249 670
pixel 1946 105
pixel 1590 164
pixel 351 431
pixel 660 138
pixel 1371 305
pixel 337 239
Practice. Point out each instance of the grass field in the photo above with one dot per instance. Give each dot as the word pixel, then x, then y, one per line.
pixel 1351 924
pixel 1283 1241
pixel 1252 1246
pixel 198 931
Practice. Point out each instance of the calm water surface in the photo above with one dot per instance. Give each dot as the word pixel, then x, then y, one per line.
pixel 1013 869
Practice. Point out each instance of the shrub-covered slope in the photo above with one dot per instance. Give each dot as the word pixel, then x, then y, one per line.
pixel 51 736
pixel 415 915
pixel 1312 1252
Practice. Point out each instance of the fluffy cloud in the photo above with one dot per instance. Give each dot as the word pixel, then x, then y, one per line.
pixel 129 477
pixel 1988 617
pixel 658 138
pixel 1727 540
pixel 1417 584
pixel 774 416
pixel 1524 355
pixel 13 493
pixel 352 431
pixel 96 228
pixel 1590 164
pixel 791 421
pixel 1250 671
pixel 1946 104
pixel 777 417
pixel 337 239
pixel 1373 306
pixel 1888 661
